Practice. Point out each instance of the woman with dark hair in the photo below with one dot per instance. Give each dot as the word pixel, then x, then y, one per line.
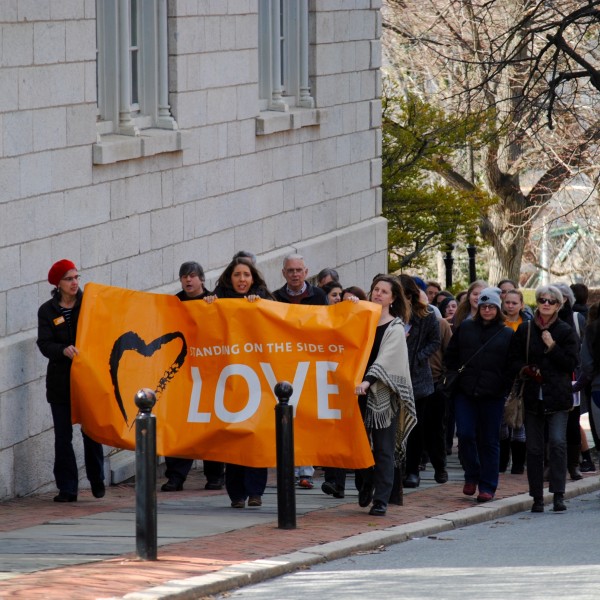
pixel 544 351
pixel 333 290
pixel 57 331
pixel 355 291
pixel 423 340
pixel 448 308
pixel 478 351
pixel 241 279
pixel 385 394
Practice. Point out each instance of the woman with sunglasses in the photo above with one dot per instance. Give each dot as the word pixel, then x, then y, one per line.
pixel 478 351
pixel 545 352
pixel 57 330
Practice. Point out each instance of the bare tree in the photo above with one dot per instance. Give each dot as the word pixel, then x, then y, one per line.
pixel 532 68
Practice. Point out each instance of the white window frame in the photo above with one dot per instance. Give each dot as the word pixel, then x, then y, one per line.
pixel 283 55
pixel 117 113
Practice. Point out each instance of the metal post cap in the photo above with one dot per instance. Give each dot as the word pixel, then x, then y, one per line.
pixel 145 399
pixel 283 390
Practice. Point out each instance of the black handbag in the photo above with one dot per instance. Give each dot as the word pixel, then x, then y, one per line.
pixel 514 405
pixel 446 386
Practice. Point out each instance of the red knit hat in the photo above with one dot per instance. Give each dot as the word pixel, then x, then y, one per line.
pixel 58 269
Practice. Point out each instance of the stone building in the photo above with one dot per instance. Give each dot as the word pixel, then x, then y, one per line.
pixel 137 134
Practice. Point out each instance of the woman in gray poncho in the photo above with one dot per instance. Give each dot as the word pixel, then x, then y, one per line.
pixel 389 408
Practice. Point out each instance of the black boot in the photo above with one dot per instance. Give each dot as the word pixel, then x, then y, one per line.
pixel 518 457
pixel 559 502
pixel 587 464
pixel 504 455
pixel 397 495
pixel 573 456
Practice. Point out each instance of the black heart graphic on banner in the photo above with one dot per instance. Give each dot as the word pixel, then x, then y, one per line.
pixel 132 341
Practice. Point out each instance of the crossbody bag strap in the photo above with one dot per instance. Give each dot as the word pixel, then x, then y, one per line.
pixel 528 338
pixel 461 369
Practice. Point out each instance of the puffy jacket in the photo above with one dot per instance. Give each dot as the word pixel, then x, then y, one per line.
pixel 485 372
pixel 556 365
pixel 54 335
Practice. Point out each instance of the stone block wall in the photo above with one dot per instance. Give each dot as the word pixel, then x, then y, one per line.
pixel 311 188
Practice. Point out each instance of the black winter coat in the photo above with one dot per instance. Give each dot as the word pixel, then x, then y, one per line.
pixel 486 371
pixel 556 365
pixel 54 335
pixel 315 295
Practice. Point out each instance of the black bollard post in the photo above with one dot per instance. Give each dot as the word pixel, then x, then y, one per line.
pixel 145 476
pixel 449 262
pixel 284 439
pixel 472 251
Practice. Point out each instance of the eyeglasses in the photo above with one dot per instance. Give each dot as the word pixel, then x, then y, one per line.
pixel 487 306
pixel 73 278
pixel 549 301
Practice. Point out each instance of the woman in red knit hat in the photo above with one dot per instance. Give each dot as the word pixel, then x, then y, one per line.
pixel 57 328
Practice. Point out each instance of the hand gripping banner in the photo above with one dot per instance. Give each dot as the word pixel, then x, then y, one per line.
pixel 213 368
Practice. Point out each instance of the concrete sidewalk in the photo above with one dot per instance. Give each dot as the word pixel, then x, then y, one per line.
pixel 87 549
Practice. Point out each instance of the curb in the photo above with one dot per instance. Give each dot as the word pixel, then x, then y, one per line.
pixel 257 571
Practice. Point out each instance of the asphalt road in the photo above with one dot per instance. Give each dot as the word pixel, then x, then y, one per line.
pixel 529 556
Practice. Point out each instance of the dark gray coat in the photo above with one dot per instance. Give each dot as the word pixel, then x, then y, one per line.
pixel 422 341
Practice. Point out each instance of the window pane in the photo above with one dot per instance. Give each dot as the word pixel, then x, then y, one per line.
pixel 134 54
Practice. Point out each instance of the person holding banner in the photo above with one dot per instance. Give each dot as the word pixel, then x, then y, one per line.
pixel 57 330
pixel 241 279
pixel 191 276
pixel 298 291
pixel 386 394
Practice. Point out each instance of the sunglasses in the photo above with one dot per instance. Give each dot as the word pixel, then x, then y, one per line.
pixel 549 301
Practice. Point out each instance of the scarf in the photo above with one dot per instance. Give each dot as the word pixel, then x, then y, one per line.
pixel 538 320
pixel 391 396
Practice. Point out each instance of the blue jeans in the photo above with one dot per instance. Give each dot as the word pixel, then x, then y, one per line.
pixel 478 423
pixel 557 451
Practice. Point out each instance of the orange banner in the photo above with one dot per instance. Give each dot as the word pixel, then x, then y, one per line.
pixel 213 368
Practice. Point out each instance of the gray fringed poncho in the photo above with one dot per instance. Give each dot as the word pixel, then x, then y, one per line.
pixel 391 396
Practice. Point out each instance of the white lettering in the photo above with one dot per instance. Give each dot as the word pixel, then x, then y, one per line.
pixel 194 414
pixel 297 385
pixel 325 389
pixel 254 394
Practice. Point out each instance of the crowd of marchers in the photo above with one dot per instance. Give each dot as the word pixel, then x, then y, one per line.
pixel 482 340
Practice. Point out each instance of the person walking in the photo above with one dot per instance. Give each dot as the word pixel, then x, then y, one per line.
pixel 57 332
pixel 512 441
pixel 544 352
pixel 423 340
pixel 478 351
pixel 299 291
pixel 386 395
pixel 191 277
pixel 241 279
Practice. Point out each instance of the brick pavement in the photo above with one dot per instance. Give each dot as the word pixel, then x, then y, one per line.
pixel 115 577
